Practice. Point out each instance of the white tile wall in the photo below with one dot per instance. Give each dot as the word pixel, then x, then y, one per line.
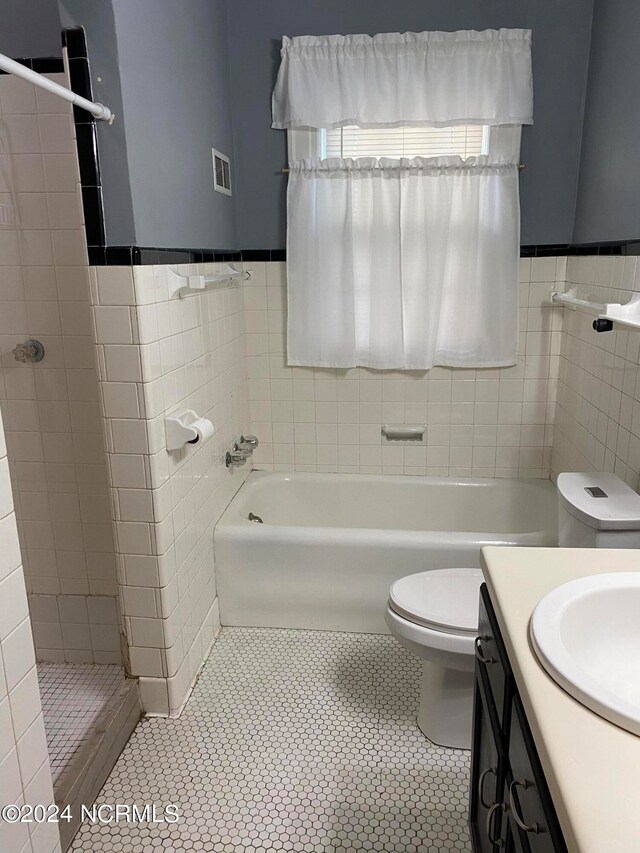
pixel 25 774
pixel 51 410
pixel 158 356
pixel 480 423
pixel 598 411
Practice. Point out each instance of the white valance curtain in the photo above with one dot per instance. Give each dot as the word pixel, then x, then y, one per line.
pixel 403 264
pixel 394 79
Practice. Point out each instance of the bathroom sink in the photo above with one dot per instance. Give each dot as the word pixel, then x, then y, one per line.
pixel 586 634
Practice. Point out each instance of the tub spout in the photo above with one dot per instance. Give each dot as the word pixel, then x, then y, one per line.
pixel 253 517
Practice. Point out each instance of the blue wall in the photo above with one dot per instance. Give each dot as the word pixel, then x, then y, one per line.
pixel 608 205
pixel 180 75
pixel 165 74
pixel 30 28
pixel 99 24
pixel 550 149
pixel 174 75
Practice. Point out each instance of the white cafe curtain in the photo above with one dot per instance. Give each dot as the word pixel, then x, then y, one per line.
pixel 403 264
pixel 392 79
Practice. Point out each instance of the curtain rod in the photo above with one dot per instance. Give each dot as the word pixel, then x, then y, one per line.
pixel 286 171
pixel 13 67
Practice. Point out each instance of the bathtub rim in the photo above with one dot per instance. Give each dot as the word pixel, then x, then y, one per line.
pixel 233 523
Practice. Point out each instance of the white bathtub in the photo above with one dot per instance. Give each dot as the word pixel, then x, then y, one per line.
pixel 332 544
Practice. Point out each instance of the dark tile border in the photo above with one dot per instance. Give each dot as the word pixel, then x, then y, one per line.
pixel 100 254
pixel 42 64
pixel 74 39
pixel 136 255
pixel 621 247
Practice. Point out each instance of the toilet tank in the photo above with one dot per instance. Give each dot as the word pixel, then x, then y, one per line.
pixel 597 510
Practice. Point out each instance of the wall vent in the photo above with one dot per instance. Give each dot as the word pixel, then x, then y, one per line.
pixel 221 173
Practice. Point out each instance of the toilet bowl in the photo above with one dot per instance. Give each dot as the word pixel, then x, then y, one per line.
pixel 435 615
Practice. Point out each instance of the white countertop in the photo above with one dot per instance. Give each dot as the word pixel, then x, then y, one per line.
pixel 592 767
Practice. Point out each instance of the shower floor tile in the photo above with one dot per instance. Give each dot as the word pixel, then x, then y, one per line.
pixel 73 699
pixel 293 741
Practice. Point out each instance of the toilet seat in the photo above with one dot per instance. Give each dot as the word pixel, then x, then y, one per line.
pixel 444 600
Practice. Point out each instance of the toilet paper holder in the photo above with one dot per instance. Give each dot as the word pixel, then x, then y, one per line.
pixel 186 428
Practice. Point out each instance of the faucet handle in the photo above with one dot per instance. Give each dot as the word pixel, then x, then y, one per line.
pixel 235 457
pixel 242 450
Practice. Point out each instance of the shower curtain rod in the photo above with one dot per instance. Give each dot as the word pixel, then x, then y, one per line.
pixel 13 67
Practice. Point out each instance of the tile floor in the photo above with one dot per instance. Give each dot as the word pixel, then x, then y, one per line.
pixel 73 699
pixel 293 741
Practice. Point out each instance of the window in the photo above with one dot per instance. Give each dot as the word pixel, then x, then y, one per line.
pixel 396 263
pixel 351 141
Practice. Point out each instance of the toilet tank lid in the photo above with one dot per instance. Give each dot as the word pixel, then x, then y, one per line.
pixel 603 501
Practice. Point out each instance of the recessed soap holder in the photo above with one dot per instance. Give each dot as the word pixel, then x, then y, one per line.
pixel 405 433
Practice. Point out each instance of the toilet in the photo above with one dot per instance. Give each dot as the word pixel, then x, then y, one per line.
pixel 435 614
pixel 597 511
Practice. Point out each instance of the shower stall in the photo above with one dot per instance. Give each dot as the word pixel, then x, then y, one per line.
pixel 49 398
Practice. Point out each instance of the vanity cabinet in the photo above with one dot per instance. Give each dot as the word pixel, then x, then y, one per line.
pixel 510 805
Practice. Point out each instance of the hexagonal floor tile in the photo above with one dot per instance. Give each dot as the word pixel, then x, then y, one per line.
pixel 299 741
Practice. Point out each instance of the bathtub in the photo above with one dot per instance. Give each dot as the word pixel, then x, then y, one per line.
pixel 330 545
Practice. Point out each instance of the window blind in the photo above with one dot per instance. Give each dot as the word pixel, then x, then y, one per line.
pixel 351 141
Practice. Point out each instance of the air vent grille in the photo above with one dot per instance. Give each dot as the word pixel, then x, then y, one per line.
pixel 221 172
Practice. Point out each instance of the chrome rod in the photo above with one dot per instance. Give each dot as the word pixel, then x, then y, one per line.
pixel 286 171
pixel 13 67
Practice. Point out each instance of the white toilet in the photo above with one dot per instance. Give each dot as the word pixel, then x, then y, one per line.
pixel 435 614
pixel 597 511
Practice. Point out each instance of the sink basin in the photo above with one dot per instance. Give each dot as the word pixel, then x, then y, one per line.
pixel 586 634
